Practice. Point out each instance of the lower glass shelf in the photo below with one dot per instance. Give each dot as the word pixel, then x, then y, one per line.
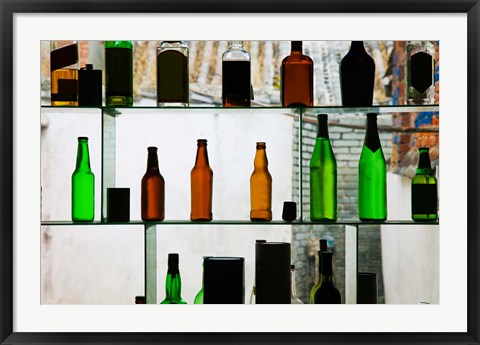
pixel 352 222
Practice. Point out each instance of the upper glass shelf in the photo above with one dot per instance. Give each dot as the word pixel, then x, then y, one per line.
pixel 352 222
pixel 378 109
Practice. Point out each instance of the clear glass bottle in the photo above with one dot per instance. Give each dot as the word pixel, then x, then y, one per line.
pixel 261 187
pixel 297 78
pixel 173 284
pixel 323 248
pixel 357 77
pixel 153 190
pixel 323 176
pixel 424 190
pixel 327 293
pixel 294 298
pixel 419 72
pixel 372 176
pixel 236 80
pixel 172 74
pixel 119 73
pixel 83 185
pixel 64 73
pixel 201 179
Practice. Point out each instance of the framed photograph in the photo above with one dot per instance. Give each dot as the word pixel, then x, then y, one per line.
pixel 76 265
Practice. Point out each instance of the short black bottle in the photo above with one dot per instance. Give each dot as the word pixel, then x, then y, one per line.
pixel 424 190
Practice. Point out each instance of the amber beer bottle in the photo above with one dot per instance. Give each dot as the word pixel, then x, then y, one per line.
pixel 201 179
pixel 153 190
pixel 261 187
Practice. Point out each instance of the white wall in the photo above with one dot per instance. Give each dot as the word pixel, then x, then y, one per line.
pixel 104 264
pixel 410 254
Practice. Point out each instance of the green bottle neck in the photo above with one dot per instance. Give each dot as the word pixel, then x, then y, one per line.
pixel 83 158
pixel 173 286
pixel 424 167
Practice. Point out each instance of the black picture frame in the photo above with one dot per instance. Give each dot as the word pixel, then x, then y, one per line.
pixel 8 8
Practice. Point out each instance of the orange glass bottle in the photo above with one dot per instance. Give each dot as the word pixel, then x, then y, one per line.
pixel 201 179
pixel 261 187
pixel 297 78
pixel 153 190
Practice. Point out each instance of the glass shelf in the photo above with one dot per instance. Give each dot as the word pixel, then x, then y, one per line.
pixel 379 109
pixel 352 222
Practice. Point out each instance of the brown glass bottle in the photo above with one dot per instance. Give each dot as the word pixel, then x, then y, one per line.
pixel 297 78
pixel 357 77
pixel 201 179
pixel 153 190
pixel 261 187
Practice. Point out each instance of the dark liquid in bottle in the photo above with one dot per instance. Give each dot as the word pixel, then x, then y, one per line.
pixel 236 83
pixel 172 77
pixel 118 72
pixel 424 198
pixel 421 71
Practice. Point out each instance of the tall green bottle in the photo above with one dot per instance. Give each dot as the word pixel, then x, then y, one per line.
pixel 323 176
pixel 173 284
pixel 119 73
pixel 83 185
pixel 372 180
pixel 424 190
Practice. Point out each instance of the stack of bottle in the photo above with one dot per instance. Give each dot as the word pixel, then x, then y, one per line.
pixel 73 87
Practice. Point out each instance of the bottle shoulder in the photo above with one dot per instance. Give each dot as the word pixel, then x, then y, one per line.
pixel 294 59
pixel 236 55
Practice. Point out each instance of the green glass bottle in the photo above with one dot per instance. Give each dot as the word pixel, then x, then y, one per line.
pixel 83 185
pixel 323 248
pixel 372 171
pixel 424 190
pixel 119 73
pixel 323 176
pixel 173 284
pixel 327 293
pixel 199 297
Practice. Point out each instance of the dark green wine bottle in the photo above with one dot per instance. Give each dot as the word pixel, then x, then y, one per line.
pixel 372 171
pixel 119 73
pixel 323 248
pixel 424 190
pixel 323 176
pixel 173 284
pixel 327 293
pixel 83 185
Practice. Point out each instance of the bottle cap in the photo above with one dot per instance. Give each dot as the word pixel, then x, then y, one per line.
pixel 83 138
pixel 173 261
pixel 152 148
pixel 323 245
pixel 292 267
pixel 323 117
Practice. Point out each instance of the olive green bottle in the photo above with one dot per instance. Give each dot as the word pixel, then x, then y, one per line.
pixel 83 185
pixel 119 73
pixel 372 176
pixel 173 284
pixel 424 190
pixel 323 176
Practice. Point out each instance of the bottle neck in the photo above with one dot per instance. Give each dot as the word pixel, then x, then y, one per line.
pixel 261 162
pixel 326 266
pixel 424 167
pixel 372 139
pixel 152 162
pixel 296 47
pixel 173 285
pixel 322 131
pixel 83 158
pixel 358 46
pixel 202 156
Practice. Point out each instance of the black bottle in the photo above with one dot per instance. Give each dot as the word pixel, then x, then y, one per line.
pixel 357 77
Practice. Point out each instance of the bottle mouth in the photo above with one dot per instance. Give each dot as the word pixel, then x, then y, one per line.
pixel 202 141
pixel 83 138
pixel 261 144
